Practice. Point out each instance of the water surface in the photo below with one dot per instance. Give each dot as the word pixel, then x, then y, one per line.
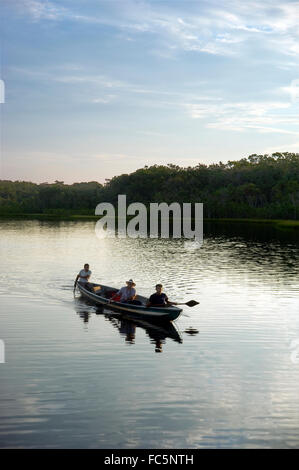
pixel 225 376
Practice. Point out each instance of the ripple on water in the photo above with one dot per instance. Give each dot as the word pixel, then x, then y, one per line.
pixel 77 377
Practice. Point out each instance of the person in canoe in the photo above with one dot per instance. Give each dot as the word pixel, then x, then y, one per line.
pixel 159 299
pixel 126 294
pixel 83 276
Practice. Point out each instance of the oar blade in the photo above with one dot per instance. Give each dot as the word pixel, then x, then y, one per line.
pixel 192 303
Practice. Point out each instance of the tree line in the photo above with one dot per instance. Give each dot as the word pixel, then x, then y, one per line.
pixel 259 186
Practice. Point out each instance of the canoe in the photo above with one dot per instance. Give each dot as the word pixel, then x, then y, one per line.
pixel 100 295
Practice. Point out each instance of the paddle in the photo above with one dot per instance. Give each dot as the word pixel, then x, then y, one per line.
pixel 191 303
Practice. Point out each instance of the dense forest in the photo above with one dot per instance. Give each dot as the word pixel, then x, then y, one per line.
pixel 260 186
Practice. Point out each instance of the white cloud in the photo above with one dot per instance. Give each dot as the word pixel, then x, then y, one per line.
pixel 214 28
pixel 239 116
pixel 292 90
pixel 95 87
pixel 99 80
pixel 39 10
pixel 104 99
pixel 286 147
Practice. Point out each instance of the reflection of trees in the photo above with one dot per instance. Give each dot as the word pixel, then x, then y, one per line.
pixel 254 250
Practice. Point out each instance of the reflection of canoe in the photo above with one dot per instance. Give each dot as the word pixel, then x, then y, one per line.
pixel 100 295
pixel 157 331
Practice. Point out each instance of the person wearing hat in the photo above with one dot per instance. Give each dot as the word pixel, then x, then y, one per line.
pixel 127 293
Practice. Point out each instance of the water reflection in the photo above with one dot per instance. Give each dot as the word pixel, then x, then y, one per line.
pixel 83 309
pixel 157 333
pixel 128 327
pixel 191 331
pixel 78 376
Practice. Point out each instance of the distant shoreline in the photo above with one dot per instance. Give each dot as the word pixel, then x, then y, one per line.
pixel 277 223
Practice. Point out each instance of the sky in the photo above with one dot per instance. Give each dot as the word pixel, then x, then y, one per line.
pixel 97 88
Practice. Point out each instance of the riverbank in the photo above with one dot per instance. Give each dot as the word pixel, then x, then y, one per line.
pixel 282 224
pixel 49 216
pixel 277 223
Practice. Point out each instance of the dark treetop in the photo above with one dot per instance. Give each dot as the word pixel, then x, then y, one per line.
pixel 260 186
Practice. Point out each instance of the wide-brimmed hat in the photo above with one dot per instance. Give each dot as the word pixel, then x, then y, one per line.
pixel 130 281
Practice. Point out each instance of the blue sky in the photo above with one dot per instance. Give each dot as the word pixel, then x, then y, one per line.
pixel 96 88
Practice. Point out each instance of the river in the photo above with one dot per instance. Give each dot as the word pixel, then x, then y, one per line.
pixel 224 376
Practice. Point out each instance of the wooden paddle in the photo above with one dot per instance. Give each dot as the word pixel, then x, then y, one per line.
pixel 191 303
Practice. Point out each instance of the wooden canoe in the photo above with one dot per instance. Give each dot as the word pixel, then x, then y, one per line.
pixel 99 294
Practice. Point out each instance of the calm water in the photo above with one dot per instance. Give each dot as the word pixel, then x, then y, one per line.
pixel 76 378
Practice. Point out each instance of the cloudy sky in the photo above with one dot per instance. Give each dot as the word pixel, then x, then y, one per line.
pixel 96 88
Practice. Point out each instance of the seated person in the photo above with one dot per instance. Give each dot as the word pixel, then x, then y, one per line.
pixel 159 299
pixel 127 294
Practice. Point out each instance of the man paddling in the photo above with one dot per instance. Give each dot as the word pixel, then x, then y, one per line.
pixel 83 276
pixel 159 299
